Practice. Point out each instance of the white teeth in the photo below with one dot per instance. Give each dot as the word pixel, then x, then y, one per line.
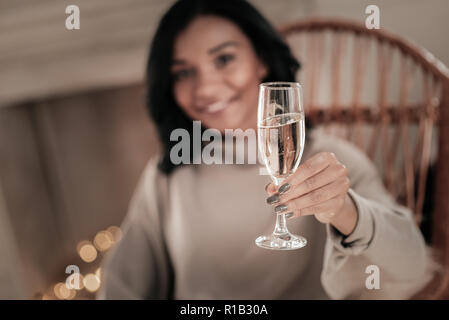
pixel 217 106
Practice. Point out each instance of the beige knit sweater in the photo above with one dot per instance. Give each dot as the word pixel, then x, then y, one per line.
pixel 195 230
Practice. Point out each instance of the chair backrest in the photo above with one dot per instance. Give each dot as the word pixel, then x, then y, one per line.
pixel 387 96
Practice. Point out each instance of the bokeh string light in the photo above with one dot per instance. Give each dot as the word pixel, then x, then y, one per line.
pixel 116 232
pixel 88 251
pixel 103 240
pixel 91 282
pixel 62 292
pixel 98 273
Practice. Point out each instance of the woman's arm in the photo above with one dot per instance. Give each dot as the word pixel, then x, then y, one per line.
pixel 365 226
pixel 138 266
pixel 385 236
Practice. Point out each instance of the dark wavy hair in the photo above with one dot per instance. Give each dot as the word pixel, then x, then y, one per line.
pixel 267 43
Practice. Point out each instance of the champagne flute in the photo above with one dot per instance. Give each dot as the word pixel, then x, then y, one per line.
pixel 281 136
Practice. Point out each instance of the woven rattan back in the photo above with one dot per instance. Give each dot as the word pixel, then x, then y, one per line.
pixel 388 97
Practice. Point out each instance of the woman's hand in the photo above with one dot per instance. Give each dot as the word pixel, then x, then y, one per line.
pixel 319 187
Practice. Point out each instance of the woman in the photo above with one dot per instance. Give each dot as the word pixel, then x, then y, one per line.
pixel 190 230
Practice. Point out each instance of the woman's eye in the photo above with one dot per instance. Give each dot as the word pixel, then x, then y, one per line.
pixel 182 74
pixel 223 60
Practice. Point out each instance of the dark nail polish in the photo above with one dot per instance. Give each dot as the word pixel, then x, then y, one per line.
pixel 289 215
pixel 280 208
pixel 284 188
pixel 273 199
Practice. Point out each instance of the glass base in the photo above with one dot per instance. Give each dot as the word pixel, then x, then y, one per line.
pixel 285 241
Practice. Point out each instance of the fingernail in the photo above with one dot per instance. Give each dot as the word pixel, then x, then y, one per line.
pixel 280 208
pixel 284 188
pixel 273 199
pixel 289 215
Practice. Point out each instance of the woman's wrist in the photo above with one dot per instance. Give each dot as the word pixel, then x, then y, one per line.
pixel 346 220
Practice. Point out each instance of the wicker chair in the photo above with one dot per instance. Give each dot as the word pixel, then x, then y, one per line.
pixel 350 77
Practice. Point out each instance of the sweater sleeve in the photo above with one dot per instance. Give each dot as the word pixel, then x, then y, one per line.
pixel 385 242
pixel 138 265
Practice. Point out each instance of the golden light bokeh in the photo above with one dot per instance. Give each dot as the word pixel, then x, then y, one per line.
pixel 72 295
pixel 116 232
pixel 81 244
pixel 62 292
pixel 98 273
pixel 88 252
pixel 91 282
pixel 56 290
pixel 103 240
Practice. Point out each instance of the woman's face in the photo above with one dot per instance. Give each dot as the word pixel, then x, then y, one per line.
pixel 216 74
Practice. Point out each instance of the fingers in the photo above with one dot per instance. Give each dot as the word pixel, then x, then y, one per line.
pixel 309 168
pixel 318 187
pixel 324 211
pixel 270 188
pixel 328 175
pixel 312 202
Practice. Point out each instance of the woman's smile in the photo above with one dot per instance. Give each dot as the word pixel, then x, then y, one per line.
pixel 217 107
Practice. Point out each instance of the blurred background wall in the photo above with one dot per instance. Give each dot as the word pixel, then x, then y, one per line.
pixel 74 132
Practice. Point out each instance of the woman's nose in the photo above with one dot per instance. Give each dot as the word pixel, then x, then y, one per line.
pixel 207 87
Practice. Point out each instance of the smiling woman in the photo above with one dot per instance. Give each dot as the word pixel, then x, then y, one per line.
pixel 217 75
pixel 190 230
pixel 219 53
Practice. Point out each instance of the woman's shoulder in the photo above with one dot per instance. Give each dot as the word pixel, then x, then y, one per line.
pixel 322 140
pixel 148 193
pixel 151 176
pixel 151 168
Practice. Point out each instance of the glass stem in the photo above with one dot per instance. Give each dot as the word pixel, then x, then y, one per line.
pixel 281 224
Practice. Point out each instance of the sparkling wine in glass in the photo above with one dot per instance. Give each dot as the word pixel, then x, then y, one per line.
pixel 281 136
